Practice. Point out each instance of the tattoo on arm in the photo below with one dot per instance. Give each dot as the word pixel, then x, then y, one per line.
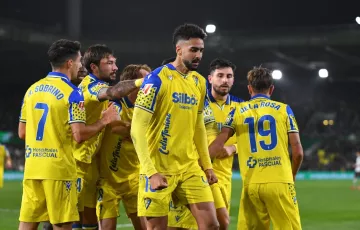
pixel 121 89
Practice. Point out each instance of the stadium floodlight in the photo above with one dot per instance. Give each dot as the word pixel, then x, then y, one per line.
pixel 357 19
pixel 277 74
pixel 323 73
pixel 210 28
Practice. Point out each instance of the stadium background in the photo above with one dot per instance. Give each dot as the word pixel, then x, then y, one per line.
pixel 297 38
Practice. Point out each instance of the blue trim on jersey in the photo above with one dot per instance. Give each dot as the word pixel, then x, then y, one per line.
pixel 260 96
pixel 230 98
pixel 58 75
pixel 235 99
pixel 116 103
pixel 230 119
pixel 290 114
pixel 170 66
pixel 154 80
pixel 75 97
pixel 95 77
pixel 127 102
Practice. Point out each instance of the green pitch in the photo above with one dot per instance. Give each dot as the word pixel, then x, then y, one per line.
pixel 324 205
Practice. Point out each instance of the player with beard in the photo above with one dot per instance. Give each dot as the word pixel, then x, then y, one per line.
pixel 100 62
pixel 169 109
pixel 218 104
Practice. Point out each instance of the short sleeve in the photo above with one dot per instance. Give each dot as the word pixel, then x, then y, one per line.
pixel 77 112
pixel 22 117
pixel 94 89
pixel 149 93
pixel 291 124
pixel 230 121
pixel 208 113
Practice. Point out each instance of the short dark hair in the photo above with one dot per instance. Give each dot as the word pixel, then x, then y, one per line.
pixel 260 79
pixel 220 63
pixel 94 54
pixel 168 60
pixel 132 72
pixel 188 31
pixel 62 50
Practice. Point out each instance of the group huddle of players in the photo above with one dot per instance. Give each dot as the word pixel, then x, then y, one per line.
pixel 160 141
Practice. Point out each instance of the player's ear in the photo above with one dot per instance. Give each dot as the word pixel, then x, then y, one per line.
pixel 210 78
pixel 69 63
pixel 249 89
pixel 178 50
pixel 93 67
pixel 271 89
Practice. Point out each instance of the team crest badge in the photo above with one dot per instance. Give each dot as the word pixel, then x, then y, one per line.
pixel 147 88
pixel 196 80
pixel 147 202
pixel 170 77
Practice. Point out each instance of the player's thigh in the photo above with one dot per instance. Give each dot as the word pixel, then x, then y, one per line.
pixel 180 217
pixel 61 200
pixel 154 203
pixel 81 183
pixel 138 222
pixel 254 210
pixel 107 201
pixel 193 188
pixel 282 205
pixel 129 195
pixel 33 203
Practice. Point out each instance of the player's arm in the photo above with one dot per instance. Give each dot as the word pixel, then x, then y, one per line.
pixel 121 89
pixel 77 118
pixel 22 120
pixel 122 130
pixel 143 112
pixel 227 131
pixel 295 143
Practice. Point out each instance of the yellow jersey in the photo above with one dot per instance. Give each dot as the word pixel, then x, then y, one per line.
pixel 217 112
pixel 90 86
pixel 175 100
pixel 261 126
pixel 118 159
pixel 49 106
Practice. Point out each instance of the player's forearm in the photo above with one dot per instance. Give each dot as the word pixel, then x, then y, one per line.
pixel 297 156
pixel 140 123
pixel 200 140
pixel 82 132
pixel 120 90
pixel 121 130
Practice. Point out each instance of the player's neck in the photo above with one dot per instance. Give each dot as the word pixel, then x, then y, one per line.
pixel 63 71
pixel 218 97
pixel 179 66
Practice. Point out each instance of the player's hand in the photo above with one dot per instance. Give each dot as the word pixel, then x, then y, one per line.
pixel 8 164
pixel 110 114
pixel 227 151
pixel 158 181
pixel 211 177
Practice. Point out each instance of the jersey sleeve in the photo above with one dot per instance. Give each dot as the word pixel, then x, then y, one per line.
pixel 291 124
pixel 94 89
pixel 231 120
pixel 77 112
pixel 22 117
pixel 149 93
